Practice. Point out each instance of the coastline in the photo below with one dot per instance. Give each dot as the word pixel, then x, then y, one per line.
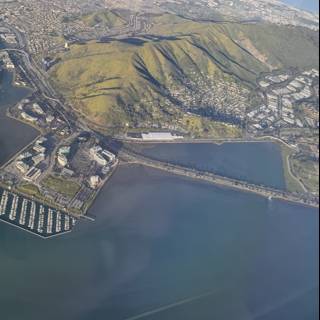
pixel 9 116
pixel 222 184
pixel 293 184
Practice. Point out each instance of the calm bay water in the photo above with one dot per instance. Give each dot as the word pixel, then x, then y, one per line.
pixel 14 135
pixel 259 163
pixel 180 249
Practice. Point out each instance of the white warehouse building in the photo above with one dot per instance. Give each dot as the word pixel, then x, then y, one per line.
pixel 160 136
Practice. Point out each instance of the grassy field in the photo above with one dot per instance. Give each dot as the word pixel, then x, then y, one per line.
pixel 291 183
pixel 109 19
pixel 29 189
pixel 62 186
pixel 32 190
pixel 204 128
pixel 308 171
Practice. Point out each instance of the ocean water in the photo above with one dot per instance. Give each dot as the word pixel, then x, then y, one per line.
pixel 167 248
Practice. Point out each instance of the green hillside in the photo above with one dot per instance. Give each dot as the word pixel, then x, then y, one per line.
pixel 105 18
pixel 129 80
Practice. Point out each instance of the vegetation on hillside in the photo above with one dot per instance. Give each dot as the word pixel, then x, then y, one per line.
pixel 106 18
pixel 129 81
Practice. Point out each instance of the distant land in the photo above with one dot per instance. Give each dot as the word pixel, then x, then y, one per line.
pixel 310 5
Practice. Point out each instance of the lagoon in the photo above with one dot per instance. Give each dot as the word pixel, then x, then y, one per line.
pixel 257 162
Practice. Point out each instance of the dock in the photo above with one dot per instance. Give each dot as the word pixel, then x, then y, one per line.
pixel 33 217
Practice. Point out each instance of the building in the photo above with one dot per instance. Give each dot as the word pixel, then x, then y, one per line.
pixel 49 118
pixel 4 56
pixel 39 148
pixel 22 166
pixel 9 65
pixel 94 182
pixel 36 108
pixel 109 155
pixel 62 155
pixel 96 154
pixel 64 150
pixel 299 123
pixel 67 172
pixel 25 155
pixel 160 136
pixel 95 150
pixel 9 38
pixel 33 174
pixel 289 120
pixel 100 159
pixel 41 140
pixel 105 170
pixel 28 117
pixel 38 158
pixel 62 160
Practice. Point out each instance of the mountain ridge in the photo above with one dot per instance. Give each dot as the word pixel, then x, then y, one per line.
pixel 135 79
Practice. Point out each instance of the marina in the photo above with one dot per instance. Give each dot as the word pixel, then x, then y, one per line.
pixel 32 216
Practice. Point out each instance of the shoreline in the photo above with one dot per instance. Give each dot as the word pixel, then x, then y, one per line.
pixel 292 183
pixel 7 115
pixel 215 184
pixel 226 184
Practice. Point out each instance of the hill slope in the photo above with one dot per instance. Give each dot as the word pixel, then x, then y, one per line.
pixel 109 19
pixel 141 79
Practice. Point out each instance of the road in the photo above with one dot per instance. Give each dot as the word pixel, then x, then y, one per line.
pixel 133 158
pixel 40 83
